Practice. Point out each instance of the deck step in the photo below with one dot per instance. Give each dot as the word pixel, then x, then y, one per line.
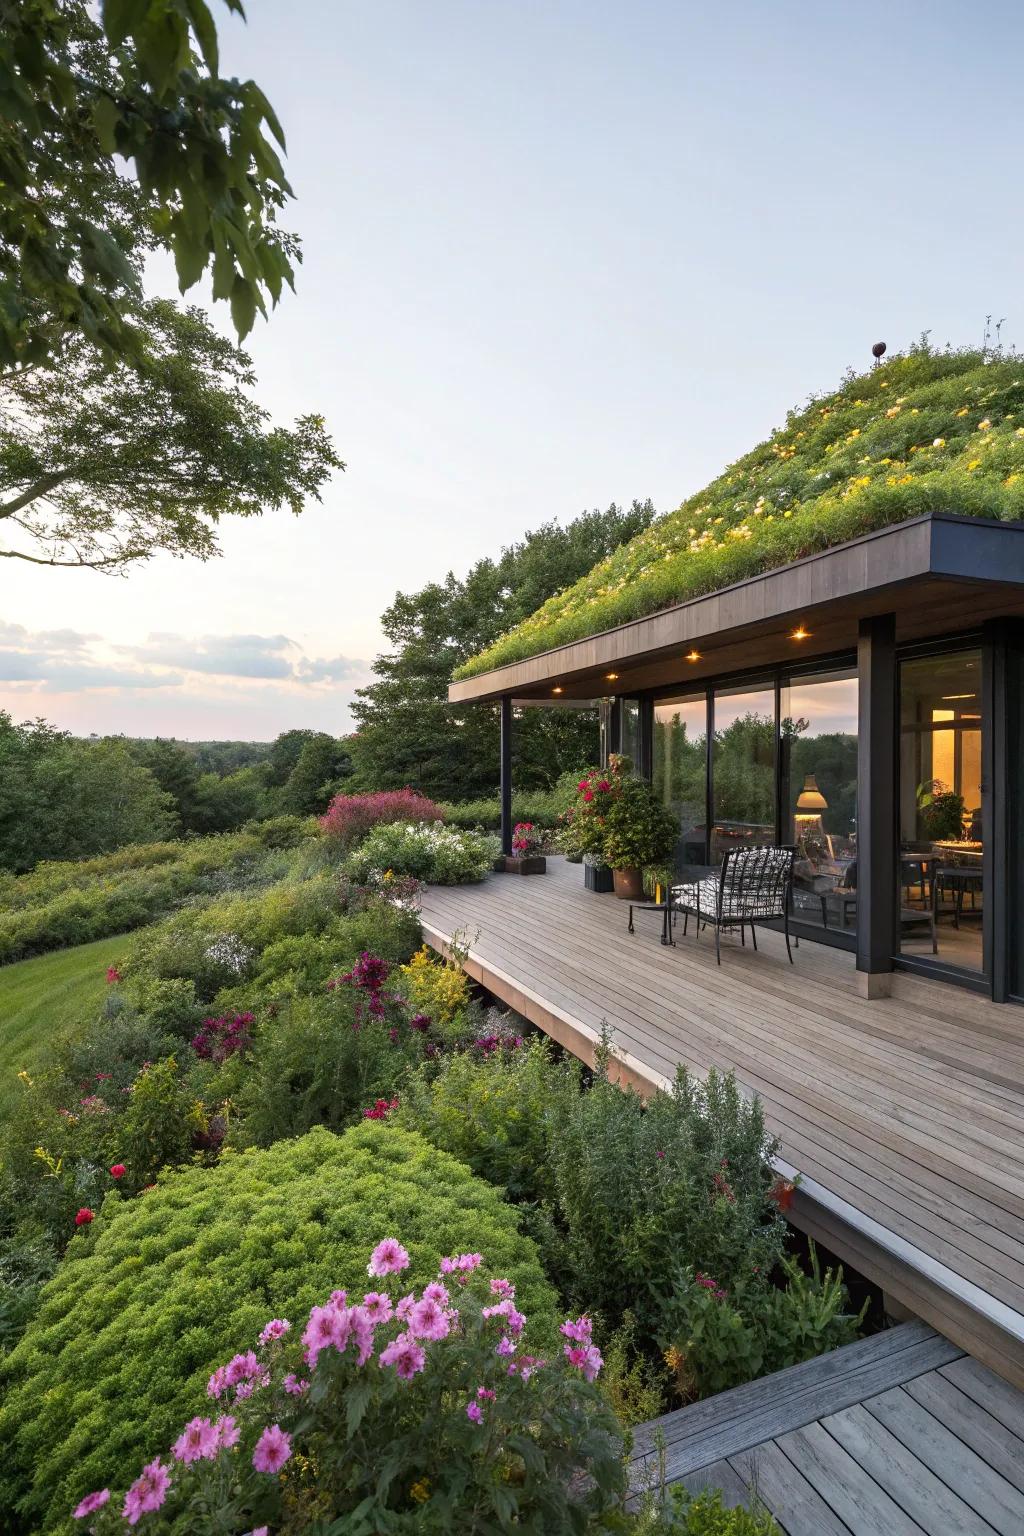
pixel 737 1421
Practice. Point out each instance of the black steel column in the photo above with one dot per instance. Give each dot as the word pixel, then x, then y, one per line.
pixel 999 636
pixel 506 773
pixel 877 810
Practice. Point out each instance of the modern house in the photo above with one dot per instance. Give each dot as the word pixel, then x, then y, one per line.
pixel 862 703
pixel 824 649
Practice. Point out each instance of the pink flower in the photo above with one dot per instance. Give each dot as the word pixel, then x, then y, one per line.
pixel 388 1258
pixel 474 1412
pixel 428 1320
pixel 404 1307
pixel 293 1386
pixel 275 1329
pixel 505 1347
pixel 338 1298
pixel 468 1261
pixel 91 1503
pixel 147 1492
pixel 586 1358
pixel 197 1442
pixel 362 1328
pixel 84 1216
pixel 326 1329
pixel 405 1355
pixel 485 1394
pixel 502 1288
pixel 273 1449
pixel 580 1330
pixel 228 1431
pixel 242 1368
pixel 259 1530
pixel 218 1382
pixel 118 1171
pixel 113 974
pixel 435 1291
pixel 377 1306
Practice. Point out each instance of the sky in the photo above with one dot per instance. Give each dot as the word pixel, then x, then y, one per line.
pixel 557 253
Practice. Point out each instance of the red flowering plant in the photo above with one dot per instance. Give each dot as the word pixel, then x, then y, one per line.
pixel 582 827
pixel 404 1413
pixel 350 817
pixel 527 839
pixel 220 1038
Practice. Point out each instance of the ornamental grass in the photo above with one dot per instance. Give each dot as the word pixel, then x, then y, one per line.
pixel 927 431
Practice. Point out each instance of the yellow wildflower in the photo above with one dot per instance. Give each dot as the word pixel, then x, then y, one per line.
pixel 787 514
pixel 983 426
pixel 974 464
pixel 884 384
pixel 894 410
pixel 939 442
pixel 1010 479
pixel 964 411
pixel 420 1491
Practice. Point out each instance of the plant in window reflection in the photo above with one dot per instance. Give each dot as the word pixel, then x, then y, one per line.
pixel 940 811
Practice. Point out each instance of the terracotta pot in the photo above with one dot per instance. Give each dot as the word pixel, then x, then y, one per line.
pixel 629 884
pixel 531 864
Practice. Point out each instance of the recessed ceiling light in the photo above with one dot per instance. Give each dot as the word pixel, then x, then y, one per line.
pixel 556 690
pixel 800 633
pixel 611 677
pixel 693 655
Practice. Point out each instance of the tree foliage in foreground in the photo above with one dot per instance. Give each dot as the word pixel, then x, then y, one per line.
pixel 140 81
pixel 408 733
pixel 106 465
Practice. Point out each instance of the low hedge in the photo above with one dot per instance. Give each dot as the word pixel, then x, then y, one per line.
pixel 160 1291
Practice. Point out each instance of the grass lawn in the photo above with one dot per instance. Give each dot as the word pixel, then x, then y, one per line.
pixel 41 997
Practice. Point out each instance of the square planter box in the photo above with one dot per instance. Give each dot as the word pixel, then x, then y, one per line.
pixel 598 878
pixel 536 864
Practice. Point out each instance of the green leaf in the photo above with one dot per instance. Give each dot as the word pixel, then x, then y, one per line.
pixel 357 1400
pixel 243 306
pixel 105 118
pixel 206 31
pixel 120 17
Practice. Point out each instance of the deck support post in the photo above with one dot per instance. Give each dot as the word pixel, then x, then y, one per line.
pixel 506 773
pixel 877 813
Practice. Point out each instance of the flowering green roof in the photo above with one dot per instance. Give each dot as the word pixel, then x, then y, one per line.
pixel 925 431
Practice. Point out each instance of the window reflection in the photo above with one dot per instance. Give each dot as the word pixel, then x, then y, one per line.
pixel 818 763
pixel 743 770
pixel 680 772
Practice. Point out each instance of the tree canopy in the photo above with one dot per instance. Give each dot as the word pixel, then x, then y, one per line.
pixel 408 733
pixel 106 464
pixel 140 82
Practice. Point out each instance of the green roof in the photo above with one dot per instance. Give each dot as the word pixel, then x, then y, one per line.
pixel 925 431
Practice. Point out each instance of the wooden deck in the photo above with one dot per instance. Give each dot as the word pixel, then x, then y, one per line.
pixel 898 1435
pixel 904 1116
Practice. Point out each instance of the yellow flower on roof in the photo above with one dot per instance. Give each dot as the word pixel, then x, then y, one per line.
pixel 884 384
pixel 787 514
pixel 983 426
pixel 939 442
pixel 894 410
pixel 1010 479
pixel 974 464
pixel 964 411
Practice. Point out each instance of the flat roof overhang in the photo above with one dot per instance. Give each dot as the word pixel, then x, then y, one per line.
pixel 940 574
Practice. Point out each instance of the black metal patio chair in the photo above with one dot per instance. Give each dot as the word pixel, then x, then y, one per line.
pixel 753 885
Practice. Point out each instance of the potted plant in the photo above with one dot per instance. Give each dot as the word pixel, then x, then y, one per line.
pixel 638 831
pixel 526 857
pixel 581 835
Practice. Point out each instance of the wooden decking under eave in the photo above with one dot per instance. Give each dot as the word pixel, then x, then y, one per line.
pixel 904 1116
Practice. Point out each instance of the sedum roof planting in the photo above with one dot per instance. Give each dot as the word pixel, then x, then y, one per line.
pixel 925 431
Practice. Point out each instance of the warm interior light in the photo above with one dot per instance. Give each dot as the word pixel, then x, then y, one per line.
pixel 810 797
pixel 556 690
pixel 611 677
pixel 800 633
pixel 949 697
pixel 693 655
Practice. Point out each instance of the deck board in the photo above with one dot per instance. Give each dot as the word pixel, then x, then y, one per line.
pixel 905 1115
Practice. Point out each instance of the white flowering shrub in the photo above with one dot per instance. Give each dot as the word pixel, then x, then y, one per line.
pixel 428 851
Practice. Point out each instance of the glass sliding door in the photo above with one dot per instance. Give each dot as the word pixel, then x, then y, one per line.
pixel 818 769
pixel 940 809
pixel 742 769
pixel 680 772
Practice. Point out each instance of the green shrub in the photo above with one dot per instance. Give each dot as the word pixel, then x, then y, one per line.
pixel 163 1289
pixel 701 1514
pixel 685 1180
pixel 715 1339
pixel 428 851
pixel 630 1382
pixel 541 806
pixel 496 1112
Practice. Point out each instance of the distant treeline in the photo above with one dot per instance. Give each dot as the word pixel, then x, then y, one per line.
pixel 62 797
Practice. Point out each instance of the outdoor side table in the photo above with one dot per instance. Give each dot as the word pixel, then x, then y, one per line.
pixel 664 907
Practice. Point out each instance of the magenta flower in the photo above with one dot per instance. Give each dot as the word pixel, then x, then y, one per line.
pixel 474 1412
pixel 388 1258
pixel 502 1288
pixel 378 1308
pixel 293 1386
pixel 228 1431
pixel 580 1330
pixel 273 1449
pixel 242 1368
pixel 435 1291
pixel 485 1394
pixel 586 1358
pixel 428 1320
pixel 405 1355
pixel 218 1382
pixel 147 1493
pixel 404 1307
pixel 113 976
pixel 91 1503
pixel 197 1442
pixel 275 1329
pixel 326 1329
